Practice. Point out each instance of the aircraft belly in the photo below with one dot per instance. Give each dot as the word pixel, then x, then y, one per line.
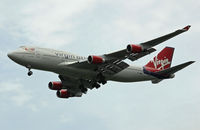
pixel 131 74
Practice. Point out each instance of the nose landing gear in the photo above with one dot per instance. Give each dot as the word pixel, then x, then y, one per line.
pixel 30 73
pixel 29 70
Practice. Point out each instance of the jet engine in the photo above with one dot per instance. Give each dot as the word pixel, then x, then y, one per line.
pixel 133 48
pixel 63 93
pixel 55 85
pixel 95 59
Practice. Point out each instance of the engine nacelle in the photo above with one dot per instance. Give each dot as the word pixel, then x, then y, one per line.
pixel 95 59
pixel 133 48
pixel 55 85
pixel 63 93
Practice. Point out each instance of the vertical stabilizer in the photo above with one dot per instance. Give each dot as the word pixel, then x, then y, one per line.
pixel 162 61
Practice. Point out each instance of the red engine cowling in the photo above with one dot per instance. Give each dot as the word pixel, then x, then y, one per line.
pixel 55 85
pixel 133 48
pixel 95 60
pixel 63 93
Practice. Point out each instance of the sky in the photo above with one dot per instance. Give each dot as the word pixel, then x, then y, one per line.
pixel 87 27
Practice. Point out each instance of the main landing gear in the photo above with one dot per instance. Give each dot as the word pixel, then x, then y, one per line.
pixel 96 85
pixel 83 89
pixel 101 78
pixel 29 70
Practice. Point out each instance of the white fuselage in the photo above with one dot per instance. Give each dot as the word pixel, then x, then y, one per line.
pixel 58 61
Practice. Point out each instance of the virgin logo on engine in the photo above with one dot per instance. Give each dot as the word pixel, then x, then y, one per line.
pixel 160 64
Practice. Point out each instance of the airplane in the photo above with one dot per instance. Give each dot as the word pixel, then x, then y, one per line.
pixel 77 74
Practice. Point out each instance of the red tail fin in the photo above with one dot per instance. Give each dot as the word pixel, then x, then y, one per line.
pixel 161 61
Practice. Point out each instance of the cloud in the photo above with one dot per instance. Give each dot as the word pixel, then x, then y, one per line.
pixel 2 55
pixel 65 118
pixel 44 22
pixel 15 91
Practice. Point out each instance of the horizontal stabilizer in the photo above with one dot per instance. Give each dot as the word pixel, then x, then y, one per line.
pixel 174 69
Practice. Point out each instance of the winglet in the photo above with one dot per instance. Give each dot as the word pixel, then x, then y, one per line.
pixel 186 28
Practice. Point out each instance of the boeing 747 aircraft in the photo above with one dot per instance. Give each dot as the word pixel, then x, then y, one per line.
pixel 78 73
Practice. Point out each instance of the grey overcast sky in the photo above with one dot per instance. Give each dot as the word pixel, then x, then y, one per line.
pixel 87 27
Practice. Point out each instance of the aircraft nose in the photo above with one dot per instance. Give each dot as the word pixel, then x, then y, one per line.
pixel 13 56
pixel 10 55
pixel 17 56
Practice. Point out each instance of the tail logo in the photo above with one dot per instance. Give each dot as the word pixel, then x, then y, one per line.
pixel 160 64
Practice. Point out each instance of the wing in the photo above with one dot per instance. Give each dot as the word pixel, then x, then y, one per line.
pixel 71 84
pixel 114 61
pixel 123 54
pixel 161 39
pixel 147 46
pixel 76 87
pixel 109 67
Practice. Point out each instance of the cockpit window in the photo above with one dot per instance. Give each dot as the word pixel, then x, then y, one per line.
pixel 30 49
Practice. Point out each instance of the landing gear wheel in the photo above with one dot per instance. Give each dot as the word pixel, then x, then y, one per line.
pixel 29 70
pixel 104 82
pixel 96 85
pixel 101 78
pixel 30 73
pixel 83 89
